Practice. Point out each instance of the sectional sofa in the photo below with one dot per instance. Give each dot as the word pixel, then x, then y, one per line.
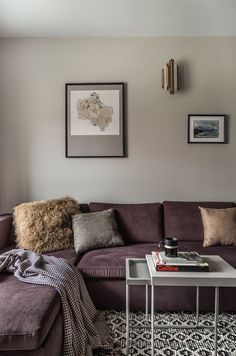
pixel 31 322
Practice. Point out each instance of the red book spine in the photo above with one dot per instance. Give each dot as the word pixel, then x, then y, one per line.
pixel 168 268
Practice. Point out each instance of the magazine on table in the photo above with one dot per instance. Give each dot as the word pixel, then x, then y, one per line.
pixel 183 258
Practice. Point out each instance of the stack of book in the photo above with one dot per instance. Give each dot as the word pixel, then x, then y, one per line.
pixel 185 262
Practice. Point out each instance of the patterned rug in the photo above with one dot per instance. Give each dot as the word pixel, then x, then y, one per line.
pixel 175 342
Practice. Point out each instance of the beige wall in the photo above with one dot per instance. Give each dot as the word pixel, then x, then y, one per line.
pixel 160 164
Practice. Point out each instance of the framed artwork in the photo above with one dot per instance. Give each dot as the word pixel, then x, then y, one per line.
pixel 206 128
pixel 95 120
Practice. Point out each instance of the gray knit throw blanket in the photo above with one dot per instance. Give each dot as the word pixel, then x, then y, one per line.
pixel 78 311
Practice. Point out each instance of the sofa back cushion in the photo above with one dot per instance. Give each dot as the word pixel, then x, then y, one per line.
pixel 183 219
pixel 136 222
pixel 5 229
pixel 84 208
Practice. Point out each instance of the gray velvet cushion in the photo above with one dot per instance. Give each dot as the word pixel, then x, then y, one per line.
pixel 95 230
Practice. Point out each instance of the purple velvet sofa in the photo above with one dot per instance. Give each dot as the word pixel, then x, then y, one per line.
pixel 30 317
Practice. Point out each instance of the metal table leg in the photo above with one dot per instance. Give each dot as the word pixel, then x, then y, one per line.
pixel 146 303
pixel 197 306
pixel 127 319
pixel 152 321
pixel 216 315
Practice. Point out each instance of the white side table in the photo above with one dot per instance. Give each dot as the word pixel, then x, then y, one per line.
pixel 221 275
pixel 137 274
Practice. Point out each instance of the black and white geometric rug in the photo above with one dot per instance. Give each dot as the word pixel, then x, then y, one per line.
pixel 175 342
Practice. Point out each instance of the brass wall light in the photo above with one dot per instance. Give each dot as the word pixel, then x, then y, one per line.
pixel 170 80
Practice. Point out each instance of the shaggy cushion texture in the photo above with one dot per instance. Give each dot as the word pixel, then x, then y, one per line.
pixel 95 230
pixel 219 226
pixel 45 226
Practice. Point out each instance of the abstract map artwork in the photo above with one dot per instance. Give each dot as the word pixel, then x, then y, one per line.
pixel 95 111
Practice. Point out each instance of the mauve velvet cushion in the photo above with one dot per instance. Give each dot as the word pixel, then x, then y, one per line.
pixel 183 219
pixel 219 226
pixel 95 230
pixel 110 262
pixel 136 222
pixel 27 313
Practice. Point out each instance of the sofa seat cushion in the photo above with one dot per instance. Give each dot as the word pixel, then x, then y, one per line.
pixel 110 262
pixel 69 255
pixel 27 313
pixel 228 253
pixel 136 222
pixel 183 219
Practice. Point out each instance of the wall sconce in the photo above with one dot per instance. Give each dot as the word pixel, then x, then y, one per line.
pixel 170 77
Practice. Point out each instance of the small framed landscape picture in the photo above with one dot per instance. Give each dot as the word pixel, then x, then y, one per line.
pixel 206 128
pixel 95 120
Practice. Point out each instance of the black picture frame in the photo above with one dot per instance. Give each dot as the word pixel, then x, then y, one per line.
pixel 207 128
pixel 89 138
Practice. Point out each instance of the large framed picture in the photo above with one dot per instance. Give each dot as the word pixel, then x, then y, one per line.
pixel 206 128
pixel 95 120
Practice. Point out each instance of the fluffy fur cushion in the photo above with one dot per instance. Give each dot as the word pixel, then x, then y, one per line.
pixel 45 226
pixel 95 230
pixel 219 226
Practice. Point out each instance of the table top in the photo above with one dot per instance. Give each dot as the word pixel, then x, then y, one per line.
pixel 221 274
pixel 137 272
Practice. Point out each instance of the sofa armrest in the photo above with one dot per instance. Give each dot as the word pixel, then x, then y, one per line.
pixel 5 229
